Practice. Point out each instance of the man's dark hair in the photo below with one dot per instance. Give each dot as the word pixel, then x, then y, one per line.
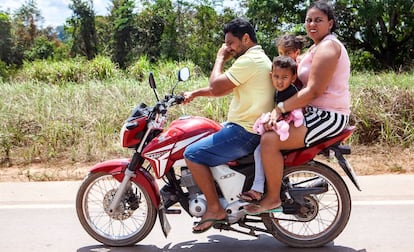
pixel 238 27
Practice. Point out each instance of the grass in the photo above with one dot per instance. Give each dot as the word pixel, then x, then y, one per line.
pixel 79 121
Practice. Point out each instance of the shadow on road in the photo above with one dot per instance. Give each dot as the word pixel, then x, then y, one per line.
pixel 220 243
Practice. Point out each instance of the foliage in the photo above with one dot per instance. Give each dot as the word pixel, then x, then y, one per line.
pixel 274 18
pixel 383 28
pixel 378 34
pixel 42 49
pixel 81 121
pixel 6 42
pixel 384 113
pixel 363 61
pixel 152 21
pixel 103 27
pixel 77 70
pixel 206 37
pixel 83 29
pixel 140 68
pixel 123 29
pixel 3 71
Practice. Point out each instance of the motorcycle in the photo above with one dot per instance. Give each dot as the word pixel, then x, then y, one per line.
pixel 119 200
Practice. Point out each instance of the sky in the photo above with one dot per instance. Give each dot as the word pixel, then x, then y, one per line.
pixel 55 12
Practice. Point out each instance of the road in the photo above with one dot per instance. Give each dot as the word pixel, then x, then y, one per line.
pixel 40 216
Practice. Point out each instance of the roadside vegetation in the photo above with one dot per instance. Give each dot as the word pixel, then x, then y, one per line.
pixel 72 112
pixel 66 90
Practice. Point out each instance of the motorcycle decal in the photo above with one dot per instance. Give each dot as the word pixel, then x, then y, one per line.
pixel 162 156
pixel 183 144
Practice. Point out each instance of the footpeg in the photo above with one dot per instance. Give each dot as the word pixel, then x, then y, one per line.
pixel 173 211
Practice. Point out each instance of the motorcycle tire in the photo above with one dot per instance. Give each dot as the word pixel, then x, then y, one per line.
pixel 326 213
pixel 133 220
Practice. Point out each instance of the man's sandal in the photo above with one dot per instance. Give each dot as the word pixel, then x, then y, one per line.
pixel 214 222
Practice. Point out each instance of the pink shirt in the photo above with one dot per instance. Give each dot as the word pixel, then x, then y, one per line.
pixel 336 97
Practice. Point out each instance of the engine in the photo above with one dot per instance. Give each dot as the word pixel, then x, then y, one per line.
pixel 197 202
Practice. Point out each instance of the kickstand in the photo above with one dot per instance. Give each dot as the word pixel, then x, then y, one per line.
pixel 227 227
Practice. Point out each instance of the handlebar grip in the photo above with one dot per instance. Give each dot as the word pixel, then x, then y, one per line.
pixel 179 99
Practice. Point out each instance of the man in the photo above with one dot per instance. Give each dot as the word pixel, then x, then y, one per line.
pixel 248 79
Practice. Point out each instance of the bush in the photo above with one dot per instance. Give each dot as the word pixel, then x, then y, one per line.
pixel 383 109
pixel 3 71
pixel 77 70
pixel 101 68
pixel 140 68
pixel 363 61
pixel 42 49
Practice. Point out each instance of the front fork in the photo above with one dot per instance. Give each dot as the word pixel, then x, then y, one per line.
pixel 126 181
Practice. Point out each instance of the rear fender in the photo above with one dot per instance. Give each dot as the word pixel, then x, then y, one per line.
pixel 116 168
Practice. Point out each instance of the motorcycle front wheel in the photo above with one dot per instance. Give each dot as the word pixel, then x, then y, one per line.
pixel 325 214
pixel 129 224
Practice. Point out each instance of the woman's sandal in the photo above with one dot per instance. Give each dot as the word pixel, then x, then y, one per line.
pixel 256 209
pixel 251 196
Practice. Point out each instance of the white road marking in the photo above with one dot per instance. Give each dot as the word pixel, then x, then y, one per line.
pixel 383 202
pixel 37 206
pixel 68 206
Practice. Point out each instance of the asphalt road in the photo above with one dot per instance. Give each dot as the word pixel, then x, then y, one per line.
pixel 40 216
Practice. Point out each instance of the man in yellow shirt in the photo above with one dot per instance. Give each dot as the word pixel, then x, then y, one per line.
pixel 249 80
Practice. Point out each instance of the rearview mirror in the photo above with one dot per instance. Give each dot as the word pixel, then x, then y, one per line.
pixel 184 74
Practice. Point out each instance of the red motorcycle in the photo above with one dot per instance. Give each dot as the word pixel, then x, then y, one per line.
pixel 118 202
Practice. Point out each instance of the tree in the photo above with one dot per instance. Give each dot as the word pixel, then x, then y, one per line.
pixel 273 18
pixel 83 29
pixel 27 17
pixel 43 48
pixel 383 28
pixel 25 29
pixel 103 35
pixel 205 37
pixel 152 21
pixel 122 18
pixel 6 40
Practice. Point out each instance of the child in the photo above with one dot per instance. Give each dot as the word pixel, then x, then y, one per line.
pixel 291 45
pixel 283 76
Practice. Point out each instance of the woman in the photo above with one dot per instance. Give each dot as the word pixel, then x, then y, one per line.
pixel 324 71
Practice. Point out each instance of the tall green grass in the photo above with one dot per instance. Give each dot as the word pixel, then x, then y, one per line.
pixel 74 110
pixel 383 108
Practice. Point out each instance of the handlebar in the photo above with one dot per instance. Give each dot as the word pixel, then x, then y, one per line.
pixel 169 100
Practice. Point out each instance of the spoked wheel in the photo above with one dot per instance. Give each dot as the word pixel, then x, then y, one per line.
pixel 323 215
pixel 129 224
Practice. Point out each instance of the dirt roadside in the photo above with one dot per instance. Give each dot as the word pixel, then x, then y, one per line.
pixel 365 161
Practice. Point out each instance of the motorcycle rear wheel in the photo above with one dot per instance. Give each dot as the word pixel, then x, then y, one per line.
pixel 133 221
pixel 330 213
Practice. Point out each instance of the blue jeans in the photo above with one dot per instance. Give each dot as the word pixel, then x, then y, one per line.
pixel 228 144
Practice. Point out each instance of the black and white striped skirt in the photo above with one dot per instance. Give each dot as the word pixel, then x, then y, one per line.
pixel 322 124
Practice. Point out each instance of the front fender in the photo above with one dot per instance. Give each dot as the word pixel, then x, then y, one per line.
pixel 116 168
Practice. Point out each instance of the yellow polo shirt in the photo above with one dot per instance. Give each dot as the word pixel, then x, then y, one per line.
pixel 254 92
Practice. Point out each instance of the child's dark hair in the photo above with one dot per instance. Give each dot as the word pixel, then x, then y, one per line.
pixel 238 27
pixel 284 62
pixel 291 42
